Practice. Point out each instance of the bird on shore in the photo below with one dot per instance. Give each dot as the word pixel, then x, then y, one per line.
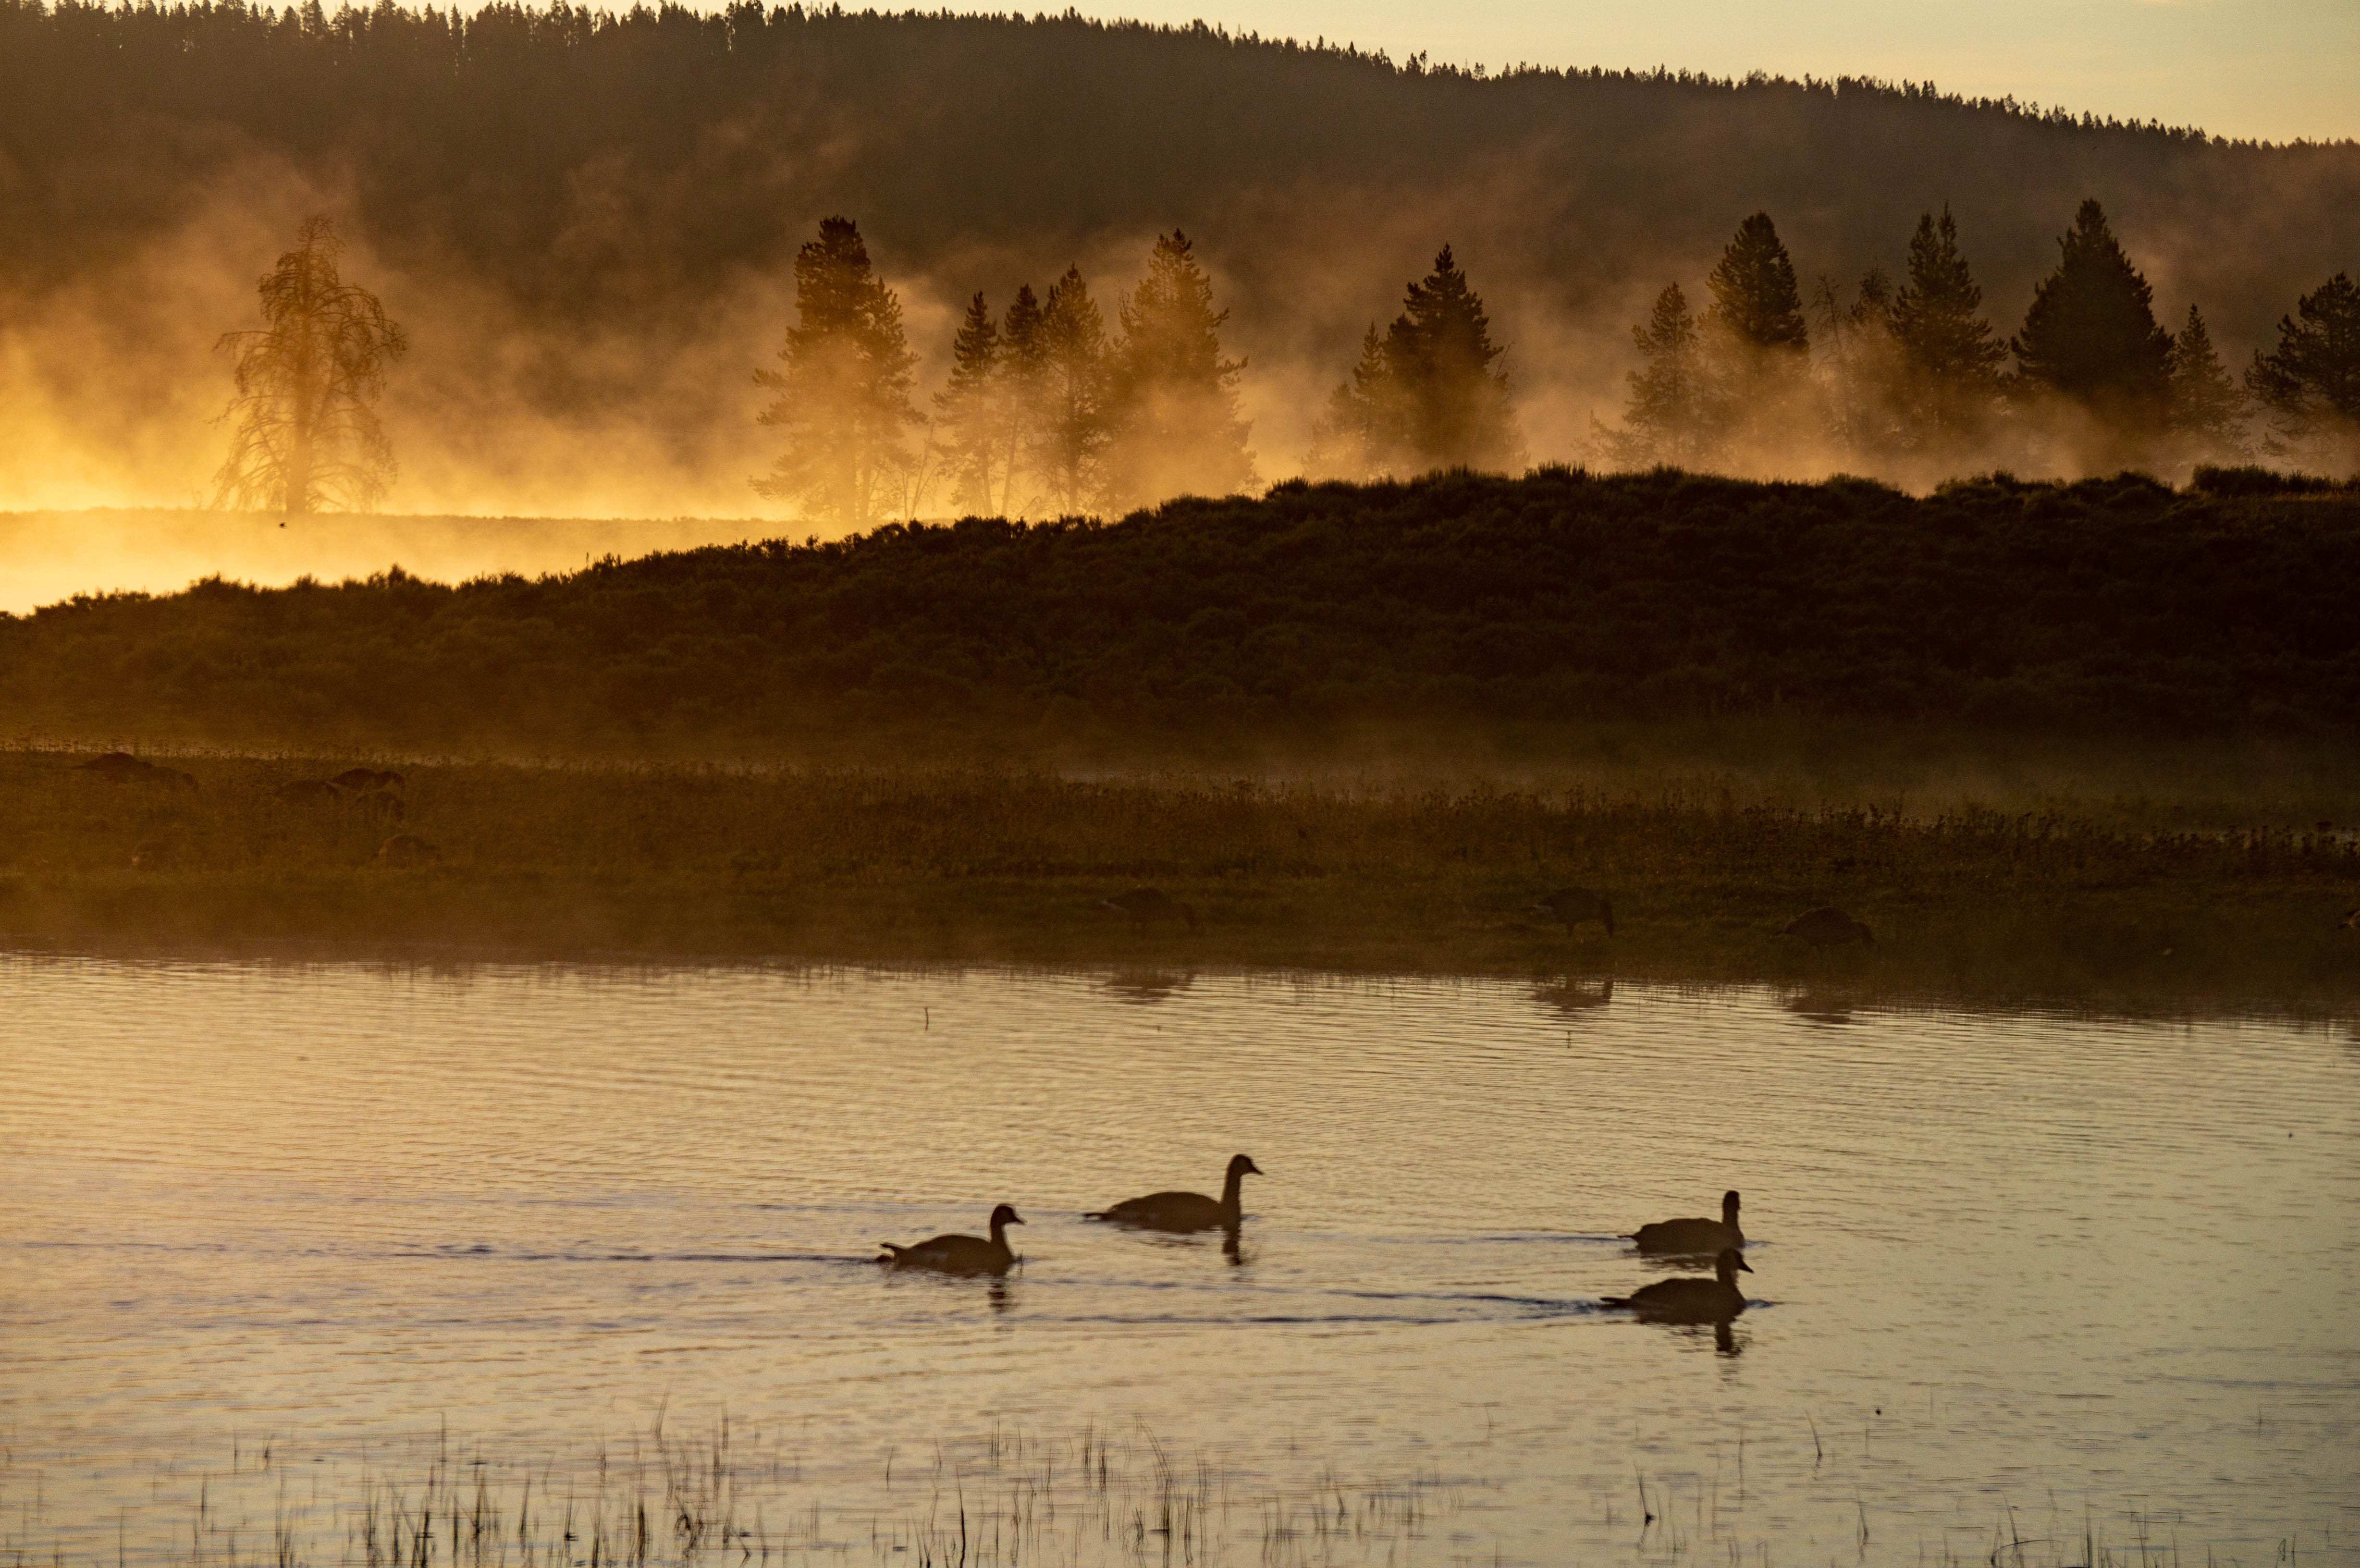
pixel 1149 906
pixel 361 778
pixel 959 1254
pixel 1188 1211
pixel 1571 906
pixel 1698 1237
pixel 1690 1300
pixel 407 849
pixel 1828 927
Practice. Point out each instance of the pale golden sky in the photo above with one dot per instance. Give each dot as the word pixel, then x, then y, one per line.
pixel 2272 69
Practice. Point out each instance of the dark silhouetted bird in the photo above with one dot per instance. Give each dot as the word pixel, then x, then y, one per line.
pixel 960 1254
pixel 1571 906
pixel 1188 1211
pixel 2351 921
pixel 1828 927
pixel 1149 906
pixel 407 849
pixel 357 778
pixel 1699 1236
pixel 1690 1300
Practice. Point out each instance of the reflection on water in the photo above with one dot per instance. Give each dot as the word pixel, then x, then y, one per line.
pixel 2001 1265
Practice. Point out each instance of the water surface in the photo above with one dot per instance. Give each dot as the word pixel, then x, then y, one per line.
pixel 2016 1277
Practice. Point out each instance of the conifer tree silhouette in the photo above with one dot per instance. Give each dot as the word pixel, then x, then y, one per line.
pixel 2208 408
pixel 1364 423
pixel 2090 335
pixel 1864 364
pixel 1070 433
pixel 1950 358
pixel 1440 354
pixel 1758 343
pixel 843 395
pixel 967 410
pixel 305 435
pixel 1023 372
pixel 1668 416
pixel 2310 384
pixel 1171 398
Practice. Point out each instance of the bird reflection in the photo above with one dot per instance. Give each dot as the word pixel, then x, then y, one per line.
pixel 1147 986
pixel 1691 1300
pixel 1569 997
pixel 1822 1007
pixel 999 1293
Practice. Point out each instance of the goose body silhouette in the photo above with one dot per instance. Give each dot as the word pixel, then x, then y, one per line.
pixel 1828 926
pixel 1188 1211
pixel 1149 906
pixel 960 1254
pixel 1699 1236
pixel 1571 906
pixel 1691 1300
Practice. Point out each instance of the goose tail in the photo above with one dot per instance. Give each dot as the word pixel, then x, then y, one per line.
pixel 892 1253
pixel 1614 1302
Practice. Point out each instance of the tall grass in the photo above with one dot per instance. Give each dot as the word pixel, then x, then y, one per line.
pixel 964 865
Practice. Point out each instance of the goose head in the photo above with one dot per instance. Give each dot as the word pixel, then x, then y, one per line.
pixel 1005 1215
pixel 1727 1265
pixel 1729 1208
pixel 1241 1165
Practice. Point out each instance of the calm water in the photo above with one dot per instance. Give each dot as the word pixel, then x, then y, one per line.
pixel 2017 1278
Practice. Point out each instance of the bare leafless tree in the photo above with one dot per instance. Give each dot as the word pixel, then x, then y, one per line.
pixel 306 437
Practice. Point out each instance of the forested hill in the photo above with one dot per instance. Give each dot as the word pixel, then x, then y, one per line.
pixel 584 165
pixel 2105 605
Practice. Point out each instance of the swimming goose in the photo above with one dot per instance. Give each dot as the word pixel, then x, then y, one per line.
pixel 1188 1211
pixel 1828 927
pixel 1690 1300
pixel 960 1254
pixel 1571 906
pixel 1699 1236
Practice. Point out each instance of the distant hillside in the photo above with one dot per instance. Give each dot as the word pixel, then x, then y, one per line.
pixel 586 220
pixel 2104 607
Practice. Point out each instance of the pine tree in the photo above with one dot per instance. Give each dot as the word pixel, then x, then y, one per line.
pixel 1863 364
pixel 1069 435
pixel 1949 357
pixel 1023 377
pixel 844 397
pixel 1171 398
pixel 2310 384
pixel 1439 357
pixel 2208 410
pixel 1362 426
pixel 306 436
pixel 967 415
pixel 2090 335
pixel 1668 417
pixel 1757 341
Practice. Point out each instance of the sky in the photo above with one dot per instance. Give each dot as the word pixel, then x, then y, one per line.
pixel 2262 69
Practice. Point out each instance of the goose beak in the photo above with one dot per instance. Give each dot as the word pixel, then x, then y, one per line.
pixel 1019 1219
pixel 1747 1266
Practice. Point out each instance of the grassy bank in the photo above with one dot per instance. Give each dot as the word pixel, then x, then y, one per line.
pixel 2117 607
pixel 975 867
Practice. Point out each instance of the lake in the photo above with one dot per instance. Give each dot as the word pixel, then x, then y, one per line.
pixel 290 1251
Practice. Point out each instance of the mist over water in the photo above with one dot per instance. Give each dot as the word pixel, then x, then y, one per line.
pixel 2091 1272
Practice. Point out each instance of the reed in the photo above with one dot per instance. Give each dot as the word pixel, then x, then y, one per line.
pixel 2074 901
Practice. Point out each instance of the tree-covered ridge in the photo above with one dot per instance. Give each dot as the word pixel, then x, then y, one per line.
pixel 2107 605
pixel 581 159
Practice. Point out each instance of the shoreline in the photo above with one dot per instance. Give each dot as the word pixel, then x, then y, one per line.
pixel 964 868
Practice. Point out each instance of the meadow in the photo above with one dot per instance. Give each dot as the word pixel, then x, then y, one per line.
pixel 2113 906
pixel 2116 608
